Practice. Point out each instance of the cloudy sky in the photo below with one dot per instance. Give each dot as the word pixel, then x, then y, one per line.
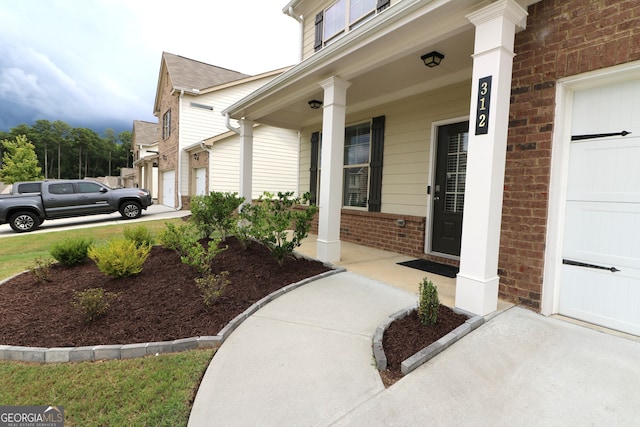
pixel 95 63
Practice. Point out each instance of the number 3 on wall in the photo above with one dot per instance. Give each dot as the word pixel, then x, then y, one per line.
pixel 484 102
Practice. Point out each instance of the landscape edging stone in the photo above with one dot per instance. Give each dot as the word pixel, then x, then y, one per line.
pixel 130 351
pixel 427 353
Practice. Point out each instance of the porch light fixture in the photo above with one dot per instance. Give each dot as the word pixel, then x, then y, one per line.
pixel 315 104
pixel 196 156
pixel 432 59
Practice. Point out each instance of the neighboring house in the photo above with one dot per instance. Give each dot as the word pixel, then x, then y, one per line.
pixel 200 150
pixel 508 159
pixel 144 144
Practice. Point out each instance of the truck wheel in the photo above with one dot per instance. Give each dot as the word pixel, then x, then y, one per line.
pixel 22 222
pixel 130 210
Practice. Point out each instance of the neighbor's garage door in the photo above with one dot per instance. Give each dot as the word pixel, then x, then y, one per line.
pixel 601 245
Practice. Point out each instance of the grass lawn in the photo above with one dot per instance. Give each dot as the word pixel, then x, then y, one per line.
pixel 150 391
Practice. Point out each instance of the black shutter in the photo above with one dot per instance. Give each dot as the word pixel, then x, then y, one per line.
pixel 319 31
pixel 375 165
pixel 382 4
pixel 313 179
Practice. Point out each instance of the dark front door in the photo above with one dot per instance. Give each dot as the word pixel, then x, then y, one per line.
pixel 448 191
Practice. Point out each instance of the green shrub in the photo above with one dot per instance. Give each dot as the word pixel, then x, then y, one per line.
pixel 200 257
pixel 119 257
pixel 278 222
pixel 212 286
pixel 429 303
pixel 140 235
pixel 178 238
pixel 92 302
pixel 71 251
pixel 40 270
pixel 215 212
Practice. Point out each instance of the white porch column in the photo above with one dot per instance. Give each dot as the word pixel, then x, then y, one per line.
pixel 246 159
pixel 477 281
pixel 330 201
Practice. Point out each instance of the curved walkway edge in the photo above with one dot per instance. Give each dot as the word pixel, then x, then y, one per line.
pixel 130 351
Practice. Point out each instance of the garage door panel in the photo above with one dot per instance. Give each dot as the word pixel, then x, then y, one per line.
pixel 603 233
pixel 601 297
pixel 605 170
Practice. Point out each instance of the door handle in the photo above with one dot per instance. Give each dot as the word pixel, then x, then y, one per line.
pixel 587 265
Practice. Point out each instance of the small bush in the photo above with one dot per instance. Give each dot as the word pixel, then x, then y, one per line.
pixel 40 270
pixel 429 303
pixel 92 302
pixel 71 251
pixel 119 257
pixel 278 223
pixel 178 238
pixel 215 212
pixel 140 235
pixel 212 286
pixel 201 258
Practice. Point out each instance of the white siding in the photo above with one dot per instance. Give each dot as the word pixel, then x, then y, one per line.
pixel 197 124
pixel 407 168
pixel 275 162
pixel 224 174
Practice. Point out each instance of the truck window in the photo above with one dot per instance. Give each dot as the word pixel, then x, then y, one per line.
pixel 88 187
pixel 28 187
pixel 63 188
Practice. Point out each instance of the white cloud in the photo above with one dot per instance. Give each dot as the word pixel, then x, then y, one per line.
pixel 83 60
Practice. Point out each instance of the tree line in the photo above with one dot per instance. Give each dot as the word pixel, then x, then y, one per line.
pixel 66 152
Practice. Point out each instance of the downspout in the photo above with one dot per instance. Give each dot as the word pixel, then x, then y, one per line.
pixel 300 20
pixel 230 126
pixel 179 207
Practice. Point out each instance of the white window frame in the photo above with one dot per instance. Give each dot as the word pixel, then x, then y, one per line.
pixel 366 165
pixel 348 23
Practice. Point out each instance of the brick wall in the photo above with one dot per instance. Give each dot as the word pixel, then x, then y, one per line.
pixel 563 38
pixel 168 148
pixel 381 231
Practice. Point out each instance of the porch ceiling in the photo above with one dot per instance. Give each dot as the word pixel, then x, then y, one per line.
pixel 381 60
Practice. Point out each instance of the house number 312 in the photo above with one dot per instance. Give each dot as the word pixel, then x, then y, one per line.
pixel 484 102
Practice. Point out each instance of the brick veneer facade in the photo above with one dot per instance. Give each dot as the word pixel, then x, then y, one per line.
pixel 563 38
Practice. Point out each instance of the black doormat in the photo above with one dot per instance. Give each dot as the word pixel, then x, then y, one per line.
pixel 432 267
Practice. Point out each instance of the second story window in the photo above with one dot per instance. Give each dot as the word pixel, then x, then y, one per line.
pixel 166 124
pixel 342 16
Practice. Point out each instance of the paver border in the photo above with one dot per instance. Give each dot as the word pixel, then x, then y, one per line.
pixel 428 352
pixel 130 351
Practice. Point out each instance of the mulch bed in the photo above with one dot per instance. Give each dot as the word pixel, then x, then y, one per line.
pixel 162 303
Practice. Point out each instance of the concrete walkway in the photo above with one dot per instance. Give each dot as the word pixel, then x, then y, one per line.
pixel 305 360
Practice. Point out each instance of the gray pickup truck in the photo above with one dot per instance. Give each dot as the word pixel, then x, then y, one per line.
pixel 32 203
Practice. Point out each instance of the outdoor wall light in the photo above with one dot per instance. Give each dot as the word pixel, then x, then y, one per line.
pixel 432 59
pixel 164 157
pixel 196 156
pixel 315 104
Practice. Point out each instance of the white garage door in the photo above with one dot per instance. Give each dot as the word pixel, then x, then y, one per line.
pixel 601 245
pixel 169 189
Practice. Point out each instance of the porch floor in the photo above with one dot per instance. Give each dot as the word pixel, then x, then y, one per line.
pixel 383 266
